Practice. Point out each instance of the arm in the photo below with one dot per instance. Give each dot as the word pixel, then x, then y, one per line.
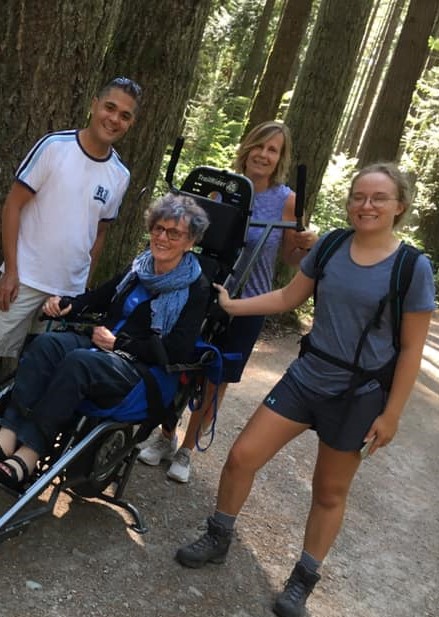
pixel 18 197
pixel 295 244
pixel 414 329
pixel 176 346
pixel 97 300
pixel 288 298
pixel 97 247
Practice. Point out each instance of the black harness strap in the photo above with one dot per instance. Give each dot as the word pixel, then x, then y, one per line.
pixel 401 276
pixel 328 247
pixel 400 279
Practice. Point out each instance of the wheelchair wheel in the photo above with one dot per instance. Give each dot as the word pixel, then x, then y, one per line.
pixel 96 461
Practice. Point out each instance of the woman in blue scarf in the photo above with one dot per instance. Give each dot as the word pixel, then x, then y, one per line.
pixel 153 314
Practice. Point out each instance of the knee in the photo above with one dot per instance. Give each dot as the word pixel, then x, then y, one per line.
pixel 75 365
pixel 240 459
pixel 76 358
pixel 329 495
pixel 41 346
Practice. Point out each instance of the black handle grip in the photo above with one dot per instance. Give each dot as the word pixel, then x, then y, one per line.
pixel 300 195
pixel 173 161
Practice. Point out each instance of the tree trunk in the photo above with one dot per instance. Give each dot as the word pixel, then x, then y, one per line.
pixel 323 87
pixel 429 217
pixel 385 128
pixel 377 72
pixel 364 61
pixel 51 57
pixel 255 60
pixel 156 43
pixel 278 68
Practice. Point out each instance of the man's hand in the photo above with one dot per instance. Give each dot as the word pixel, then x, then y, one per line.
pixel 103 338
pixel 9 284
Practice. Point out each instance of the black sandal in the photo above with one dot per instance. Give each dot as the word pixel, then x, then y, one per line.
pixel 2 454
pixel 9 476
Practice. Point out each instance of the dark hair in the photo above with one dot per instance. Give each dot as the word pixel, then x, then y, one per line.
pixel 125 84
pixel 398 178
pixel 175 207
pixel 259 135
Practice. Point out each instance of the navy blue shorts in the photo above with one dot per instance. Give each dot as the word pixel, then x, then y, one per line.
pixel 340 422
pixel 240 338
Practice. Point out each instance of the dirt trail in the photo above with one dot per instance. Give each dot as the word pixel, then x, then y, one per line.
pixel 385 562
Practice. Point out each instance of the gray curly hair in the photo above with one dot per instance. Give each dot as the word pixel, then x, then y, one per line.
pixel 176 207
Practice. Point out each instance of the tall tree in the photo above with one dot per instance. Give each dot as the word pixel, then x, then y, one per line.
pixel 51 57
pixel 277 70
pixel 255 62
pixel 323 86
pixel 385 127
pixel 365 59
pixel 156 43
pixel 375 76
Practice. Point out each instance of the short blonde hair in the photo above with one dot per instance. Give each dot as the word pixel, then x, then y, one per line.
pixel 399 179
pixel 259 135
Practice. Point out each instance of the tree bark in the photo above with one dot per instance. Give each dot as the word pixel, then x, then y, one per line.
pixel 278 68
pixel 156 43
pixel 323 86
pixel 384 130
pixel 255 62
pixel 51 57
pixel 364 62
pixel 377 72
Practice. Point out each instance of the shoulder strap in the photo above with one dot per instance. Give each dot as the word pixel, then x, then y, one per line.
pixel 400 279
pixel 327 248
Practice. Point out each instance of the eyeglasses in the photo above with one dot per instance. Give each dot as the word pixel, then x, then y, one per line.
pixel 128 85
pixel 377 201
pixel 172 233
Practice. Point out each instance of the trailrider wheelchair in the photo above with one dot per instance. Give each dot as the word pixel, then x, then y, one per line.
pixel 95 457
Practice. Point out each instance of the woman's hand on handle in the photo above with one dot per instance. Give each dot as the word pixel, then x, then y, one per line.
pixel 51 307
pixel 224 299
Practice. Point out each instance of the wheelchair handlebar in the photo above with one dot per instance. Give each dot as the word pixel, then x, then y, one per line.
pixel 173 163
pixel 90 319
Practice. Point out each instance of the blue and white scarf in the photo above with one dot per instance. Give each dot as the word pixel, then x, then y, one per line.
pixel 172 288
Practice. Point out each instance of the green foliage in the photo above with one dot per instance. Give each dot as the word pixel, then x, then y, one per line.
pixel 421 157
pixel 215 145
pixel 330 209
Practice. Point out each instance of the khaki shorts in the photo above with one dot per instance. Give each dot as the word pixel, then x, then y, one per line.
pixel 21 319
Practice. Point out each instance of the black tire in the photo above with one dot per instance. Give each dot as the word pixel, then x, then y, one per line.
pixel 98 457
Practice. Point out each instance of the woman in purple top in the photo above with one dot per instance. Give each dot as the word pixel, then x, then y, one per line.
pixel 264 156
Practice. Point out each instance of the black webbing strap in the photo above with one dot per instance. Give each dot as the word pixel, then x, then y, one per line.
pixel 402 273
pixel 155 401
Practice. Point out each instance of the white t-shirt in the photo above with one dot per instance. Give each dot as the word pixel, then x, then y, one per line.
pixel 58 226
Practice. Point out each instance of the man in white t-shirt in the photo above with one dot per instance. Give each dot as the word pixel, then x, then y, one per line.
pixel 54 220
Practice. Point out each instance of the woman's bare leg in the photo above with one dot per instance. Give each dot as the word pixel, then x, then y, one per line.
pixel 333 475
pixel 29 458
pixel 8 441
pixel 264 435
pixel 202 418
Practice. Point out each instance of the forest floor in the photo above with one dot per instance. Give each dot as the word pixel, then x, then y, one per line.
pixel 84 561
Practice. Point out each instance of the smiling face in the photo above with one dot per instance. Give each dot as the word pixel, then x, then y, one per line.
pixel 373 203
pixel 262 160
pixel 111 116
pixel 169 242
